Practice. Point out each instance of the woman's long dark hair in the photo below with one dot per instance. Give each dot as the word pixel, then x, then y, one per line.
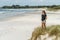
pixel 44 12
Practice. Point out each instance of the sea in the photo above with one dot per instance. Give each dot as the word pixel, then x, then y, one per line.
pixel 6 13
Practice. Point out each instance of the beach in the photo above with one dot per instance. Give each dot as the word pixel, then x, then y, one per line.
pixel 21 27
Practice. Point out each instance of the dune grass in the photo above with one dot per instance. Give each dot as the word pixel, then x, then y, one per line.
pixel 53 9
pixel 51 30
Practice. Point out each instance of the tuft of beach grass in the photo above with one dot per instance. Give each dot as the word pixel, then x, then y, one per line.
pixel 51 30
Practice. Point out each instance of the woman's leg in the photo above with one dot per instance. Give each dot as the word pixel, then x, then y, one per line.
pixel 44 25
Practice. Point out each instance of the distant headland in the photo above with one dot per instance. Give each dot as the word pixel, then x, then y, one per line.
pixel 27 6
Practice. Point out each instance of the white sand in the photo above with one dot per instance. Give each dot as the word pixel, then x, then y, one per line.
pixel 21 27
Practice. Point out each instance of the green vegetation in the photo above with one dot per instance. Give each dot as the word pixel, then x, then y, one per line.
pixel 38 31
pixel 51 30
pixel 27 6
pixel 54 31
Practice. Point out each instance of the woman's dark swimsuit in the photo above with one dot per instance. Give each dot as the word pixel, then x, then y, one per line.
pixel 43 17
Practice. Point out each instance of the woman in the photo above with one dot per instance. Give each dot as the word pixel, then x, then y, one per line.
pixel 43 19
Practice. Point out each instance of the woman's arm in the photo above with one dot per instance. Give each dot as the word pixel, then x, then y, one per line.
pixel 46 16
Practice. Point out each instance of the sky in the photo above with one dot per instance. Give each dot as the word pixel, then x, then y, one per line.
pixel 29 2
